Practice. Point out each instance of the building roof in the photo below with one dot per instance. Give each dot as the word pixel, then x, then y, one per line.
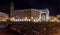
pixel 32 9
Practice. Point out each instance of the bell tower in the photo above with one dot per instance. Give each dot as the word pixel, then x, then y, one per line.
pixel 11 9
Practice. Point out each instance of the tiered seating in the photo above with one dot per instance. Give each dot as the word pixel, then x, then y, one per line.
pixel 34 28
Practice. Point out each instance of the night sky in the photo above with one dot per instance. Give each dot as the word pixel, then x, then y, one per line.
pixel 52 5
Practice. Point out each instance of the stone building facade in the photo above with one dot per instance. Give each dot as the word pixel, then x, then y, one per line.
pixel 32 14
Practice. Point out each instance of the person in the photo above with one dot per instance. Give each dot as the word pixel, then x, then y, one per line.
pixel 36 33
pixel 22 31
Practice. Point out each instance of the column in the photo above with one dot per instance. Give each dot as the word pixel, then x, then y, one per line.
pixel 47 16
pixel 39 16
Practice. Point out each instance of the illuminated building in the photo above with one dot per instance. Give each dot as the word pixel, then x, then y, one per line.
pixel 3 16
pixel 52 19
pixel 36 15
pixel 58 18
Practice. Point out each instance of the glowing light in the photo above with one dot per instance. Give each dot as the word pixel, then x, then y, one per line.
pixel 35 20
pixel 32 18
pixel 29 20
pixel 53 19
pixel 58 19
pixel 20 19
pixel 12 19
pixel 3 19
pixel 25 17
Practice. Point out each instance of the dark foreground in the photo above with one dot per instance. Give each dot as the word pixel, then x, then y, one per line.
pixel 4 31
pixel 30 28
